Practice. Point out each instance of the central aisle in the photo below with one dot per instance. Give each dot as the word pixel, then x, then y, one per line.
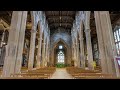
pixel 61 73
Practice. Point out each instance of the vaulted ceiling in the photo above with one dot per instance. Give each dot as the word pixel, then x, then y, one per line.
pixel 63 19
pixel 115 20
pixel 60 19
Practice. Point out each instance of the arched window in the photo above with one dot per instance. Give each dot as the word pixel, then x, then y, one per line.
pixel 117 39
pixel 60 57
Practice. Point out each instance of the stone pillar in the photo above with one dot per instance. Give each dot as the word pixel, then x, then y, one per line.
pixel 12 47
pixel 82 56
pixel 45 58
pixel 108 52
pixel 46 55
pixel 77 52
pixel 39 51
pixel 89 49
pixel 102 56
pixel 75 55
pixel 21 43
pixel 32 49
pixel 72 49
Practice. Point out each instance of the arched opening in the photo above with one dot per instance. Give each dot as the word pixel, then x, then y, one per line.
pixel 60 56
pixel 36 47
pixel 60 53
pixel 42 46
pixel 85 47
pixel 94 42
pixel 4 34
pixel 78 52
pixel 4 40
pixel 26 47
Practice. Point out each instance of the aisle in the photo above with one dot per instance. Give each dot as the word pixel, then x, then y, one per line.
pixel 61 73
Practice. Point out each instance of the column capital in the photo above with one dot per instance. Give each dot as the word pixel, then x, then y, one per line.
pixel 81 38
pixel 44 43
pixel 33 31
pixel 75 43
pixel 39 39
pixel 87 30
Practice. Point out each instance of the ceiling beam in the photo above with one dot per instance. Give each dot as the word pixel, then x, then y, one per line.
pixel 55 28
pixel 115 19
pixel 58 17
pixel 62 24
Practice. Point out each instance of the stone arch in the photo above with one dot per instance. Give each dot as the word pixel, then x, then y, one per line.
pixel 68 52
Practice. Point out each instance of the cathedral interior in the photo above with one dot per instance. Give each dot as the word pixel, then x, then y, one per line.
pixel 59 44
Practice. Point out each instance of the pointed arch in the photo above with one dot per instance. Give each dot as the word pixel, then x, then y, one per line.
pixel 68 51
pixel 57 41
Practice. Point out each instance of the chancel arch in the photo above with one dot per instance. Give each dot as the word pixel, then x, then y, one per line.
pixel 65 50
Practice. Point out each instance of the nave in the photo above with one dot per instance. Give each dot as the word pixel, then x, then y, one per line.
pixel 60 73
pixel 56 44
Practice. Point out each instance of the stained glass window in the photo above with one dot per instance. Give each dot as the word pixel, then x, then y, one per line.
pixel 60 57
pixel 60 47
pixel 117 40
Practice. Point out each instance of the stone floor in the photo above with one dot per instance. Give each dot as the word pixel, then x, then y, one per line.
pixel 61 73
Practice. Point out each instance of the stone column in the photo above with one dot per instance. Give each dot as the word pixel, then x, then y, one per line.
pixel 46 55
pixel 73 49
pixel 12 47
pixel 109 52
pixel 45 58
pixel 32 49
pixel 82 56
pixel 102 56
pixel 77 53
pixel 39 51
pixel 72 46
pixel 21 43
pixel 89 49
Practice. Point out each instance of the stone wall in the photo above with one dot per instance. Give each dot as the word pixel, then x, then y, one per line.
pixel 65 37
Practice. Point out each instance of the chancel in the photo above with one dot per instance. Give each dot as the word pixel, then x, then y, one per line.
pixel 59 44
